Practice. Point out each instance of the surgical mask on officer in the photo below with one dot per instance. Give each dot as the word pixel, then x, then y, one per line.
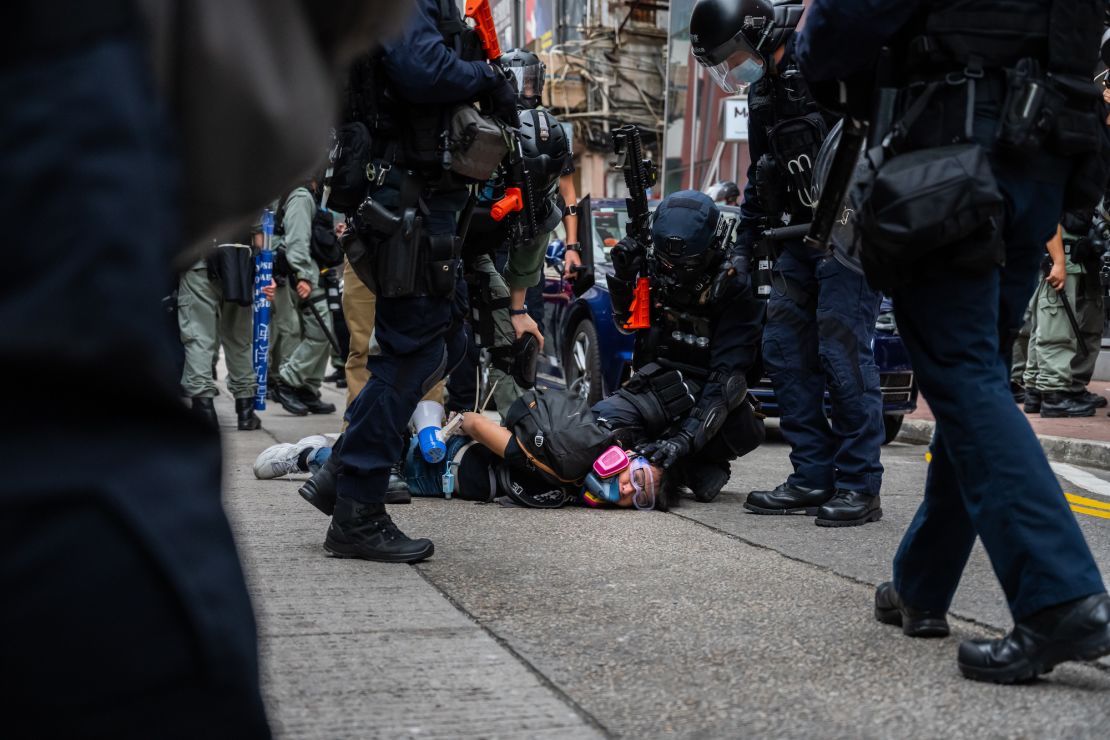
pixel 740 70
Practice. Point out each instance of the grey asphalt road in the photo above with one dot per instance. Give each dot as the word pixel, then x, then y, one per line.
pixel 705 622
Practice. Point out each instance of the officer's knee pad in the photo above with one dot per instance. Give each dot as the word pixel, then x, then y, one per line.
pixel 742 432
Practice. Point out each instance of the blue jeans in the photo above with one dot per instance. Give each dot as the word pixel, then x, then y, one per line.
pixel 825 345
pixel 989 476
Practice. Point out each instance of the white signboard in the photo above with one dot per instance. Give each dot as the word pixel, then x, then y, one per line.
pixel 736 119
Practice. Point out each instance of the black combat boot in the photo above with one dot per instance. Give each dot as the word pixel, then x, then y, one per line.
pixel 1058 405
pixel 312 401
pixel 244 409
pixel 203 408
pixel 319 490
pixel 1098 400
pixel 1032 403
pixel 787 499
pixel 365 531
pixel 1076 630
pixel 398 490
pixel 849 509
pixel 889 609
pixel 287 397
pixel 706 480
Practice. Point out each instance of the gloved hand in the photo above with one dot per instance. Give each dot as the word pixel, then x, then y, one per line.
pixel 734 267
pixel 628 258
pixel 503 98
pixel 666 452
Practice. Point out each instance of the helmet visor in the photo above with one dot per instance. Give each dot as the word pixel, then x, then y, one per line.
pixel 738 71
pixel 529 80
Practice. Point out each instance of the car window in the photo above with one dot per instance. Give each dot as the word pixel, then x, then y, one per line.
pixel 609 228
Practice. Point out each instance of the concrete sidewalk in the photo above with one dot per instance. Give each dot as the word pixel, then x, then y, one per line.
pixel 1083 441
pixel 352 649
pixel 577 623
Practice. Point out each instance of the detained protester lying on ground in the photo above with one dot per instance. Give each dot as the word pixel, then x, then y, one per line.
pixel 553 451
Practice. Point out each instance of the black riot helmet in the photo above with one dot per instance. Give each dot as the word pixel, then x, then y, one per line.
pixel 529 72
pixel 686 232
pixel 735 39
pixel 545 147
pixel 728 193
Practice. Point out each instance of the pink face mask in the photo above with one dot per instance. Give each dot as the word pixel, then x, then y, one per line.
pixel 611 462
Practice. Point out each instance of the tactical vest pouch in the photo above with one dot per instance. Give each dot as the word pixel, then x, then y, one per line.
pixel 795 144
pixel 477 144
pixel 233 266
pixel 557 434
pixel 349 155
pixel 940 198
pixel 442 264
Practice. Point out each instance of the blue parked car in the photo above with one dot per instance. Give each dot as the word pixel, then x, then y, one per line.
pixel 583 349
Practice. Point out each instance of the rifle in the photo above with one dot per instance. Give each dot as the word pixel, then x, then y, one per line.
pixel 639 176
pixel 479 12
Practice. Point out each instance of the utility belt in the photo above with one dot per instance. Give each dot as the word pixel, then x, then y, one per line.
pixel 394 255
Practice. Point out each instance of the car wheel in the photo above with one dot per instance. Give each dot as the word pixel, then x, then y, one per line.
pixel 892 424
pixel 582 363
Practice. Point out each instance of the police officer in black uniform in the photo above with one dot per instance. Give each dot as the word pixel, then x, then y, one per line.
pixel 821 313
pixel 405 94
pixel 705 323
pixel 979 60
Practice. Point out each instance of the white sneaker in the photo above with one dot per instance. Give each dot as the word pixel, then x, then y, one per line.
pixel 281 459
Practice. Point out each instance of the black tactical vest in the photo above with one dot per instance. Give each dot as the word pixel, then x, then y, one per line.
pixel 416 129
pixel 1063 34
pixel 795 128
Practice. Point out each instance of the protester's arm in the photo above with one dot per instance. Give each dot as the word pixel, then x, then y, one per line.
pixel 486 432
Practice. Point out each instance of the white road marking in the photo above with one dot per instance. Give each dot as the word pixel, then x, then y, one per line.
pixel 1082 478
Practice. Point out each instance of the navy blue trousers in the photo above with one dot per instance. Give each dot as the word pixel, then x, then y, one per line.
pixel 117 560
pixel 989 476
pixel 826 345
pixel 421 339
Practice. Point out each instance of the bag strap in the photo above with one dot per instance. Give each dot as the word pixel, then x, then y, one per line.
pixel 900 129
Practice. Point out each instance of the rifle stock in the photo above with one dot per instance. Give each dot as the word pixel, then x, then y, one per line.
pixel 479 11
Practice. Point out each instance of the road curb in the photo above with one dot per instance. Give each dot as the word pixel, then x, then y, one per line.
pixel 1058 449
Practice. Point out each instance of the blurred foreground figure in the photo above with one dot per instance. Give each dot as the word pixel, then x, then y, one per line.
pixel 125 612
pixel 962 72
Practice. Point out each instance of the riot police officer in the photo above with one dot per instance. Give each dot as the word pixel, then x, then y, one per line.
pixel 821 313
pixel 405 95
pixel 989 477
pixel 704 323
pixel 501 317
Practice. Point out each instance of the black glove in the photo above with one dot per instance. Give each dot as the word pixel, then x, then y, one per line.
pixel 733 268
pixel 503 99
pixel 627 257
pixel 664 453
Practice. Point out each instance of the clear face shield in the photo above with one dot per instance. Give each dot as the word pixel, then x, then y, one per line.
pixel 738 67
pixel 529 80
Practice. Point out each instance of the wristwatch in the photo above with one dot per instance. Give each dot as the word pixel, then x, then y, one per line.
pixel 576 247
pixel 570 210
pixel 519 311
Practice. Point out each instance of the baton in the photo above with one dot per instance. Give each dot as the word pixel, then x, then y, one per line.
pixel 323 327
pixel 263 276
pixel 1081 346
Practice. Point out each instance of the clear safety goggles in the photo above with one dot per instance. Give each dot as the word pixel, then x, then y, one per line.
pixel 734 65
pixel 643 484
